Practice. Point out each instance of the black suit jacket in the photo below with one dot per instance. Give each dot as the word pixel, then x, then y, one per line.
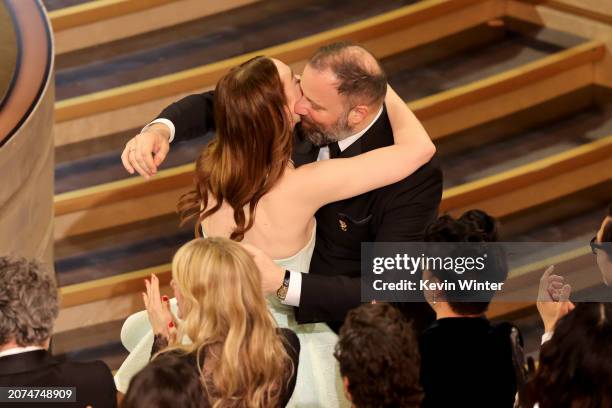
pixel 93 381
pixel 467 362
pixel 398 212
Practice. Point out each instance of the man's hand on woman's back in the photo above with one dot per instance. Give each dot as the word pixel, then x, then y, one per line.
pixel 147 150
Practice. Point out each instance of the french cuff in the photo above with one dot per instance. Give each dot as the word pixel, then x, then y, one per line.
pixel 165 122
pixel 295 289
pixel 546 336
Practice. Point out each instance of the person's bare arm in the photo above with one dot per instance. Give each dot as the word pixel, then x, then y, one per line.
pixel 333 180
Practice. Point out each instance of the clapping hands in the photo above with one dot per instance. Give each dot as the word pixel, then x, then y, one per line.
pixel 158 309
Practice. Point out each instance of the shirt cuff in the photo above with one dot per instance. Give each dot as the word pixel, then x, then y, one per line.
pixel 546 336
pixel 295 289
pixel 165 122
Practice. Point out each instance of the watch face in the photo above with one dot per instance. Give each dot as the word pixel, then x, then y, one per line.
pixel 281 293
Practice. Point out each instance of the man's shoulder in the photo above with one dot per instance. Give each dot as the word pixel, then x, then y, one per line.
pixel 62 372
pixel 86 375
pixel 427 178
pixel 97 367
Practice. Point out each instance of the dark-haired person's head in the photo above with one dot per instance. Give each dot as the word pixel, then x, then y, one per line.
pixel 28 303
pixel 168 381
pixel 379 359
pixel 601 245
pixel 343 88
pixel 575 368
pixel 471 232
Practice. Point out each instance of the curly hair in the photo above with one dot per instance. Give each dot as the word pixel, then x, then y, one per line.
pixel 473 226
pixel 28 302
pixel 378 353
pixel 169 380
pixel 575 369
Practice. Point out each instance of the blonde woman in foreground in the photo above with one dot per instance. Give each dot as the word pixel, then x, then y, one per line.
pixel 235 348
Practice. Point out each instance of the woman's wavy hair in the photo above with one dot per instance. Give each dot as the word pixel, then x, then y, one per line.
pixel 575 369
pixel 251 150
pixel 226 317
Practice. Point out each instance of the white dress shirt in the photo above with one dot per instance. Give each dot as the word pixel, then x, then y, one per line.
pixel 18 350
pixel 295 281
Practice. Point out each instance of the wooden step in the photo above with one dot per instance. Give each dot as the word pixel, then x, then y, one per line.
pixel 110 111
pixel 204 41
pixel 81 24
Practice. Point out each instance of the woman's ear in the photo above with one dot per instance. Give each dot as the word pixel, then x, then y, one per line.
pixel 345 382
pixel 432 296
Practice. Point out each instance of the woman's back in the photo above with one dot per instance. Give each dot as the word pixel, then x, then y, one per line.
pixel 283 225
pixel 247 168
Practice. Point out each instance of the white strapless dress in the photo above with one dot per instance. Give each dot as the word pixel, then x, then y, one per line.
pixel 318 384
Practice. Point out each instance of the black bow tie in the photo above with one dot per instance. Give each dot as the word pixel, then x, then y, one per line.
pixel 334 150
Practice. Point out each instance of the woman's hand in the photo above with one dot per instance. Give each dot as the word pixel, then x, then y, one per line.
pixel 158 308
pixel 553 299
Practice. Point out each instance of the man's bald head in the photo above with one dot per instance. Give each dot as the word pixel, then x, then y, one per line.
pixel 360 77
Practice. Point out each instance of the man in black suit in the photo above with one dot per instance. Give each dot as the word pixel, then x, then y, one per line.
pixel 334 83
pixel 28 308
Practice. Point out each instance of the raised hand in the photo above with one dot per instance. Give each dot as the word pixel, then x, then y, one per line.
pixel 158 309
pixel 553 299
pixel 147 150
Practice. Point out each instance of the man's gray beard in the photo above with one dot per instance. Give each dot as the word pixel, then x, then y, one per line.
pixel 318 137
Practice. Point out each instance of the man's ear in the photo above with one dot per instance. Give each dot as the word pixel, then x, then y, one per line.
pixel 357 115
pixel 345 382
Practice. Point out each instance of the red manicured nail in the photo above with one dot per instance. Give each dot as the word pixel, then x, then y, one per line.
pixel 171 324
pixel 165 298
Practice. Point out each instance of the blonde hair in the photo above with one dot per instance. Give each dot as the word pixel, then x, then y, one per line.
pixel 226 317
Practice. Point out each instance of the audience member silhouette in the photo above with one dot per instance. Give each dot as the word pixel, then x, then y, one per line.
pixel 466 361
pixel 379 359
pixel 28 308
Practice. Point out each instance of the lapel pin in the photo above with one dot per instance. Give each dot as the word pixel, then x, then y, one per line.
pixel 343 225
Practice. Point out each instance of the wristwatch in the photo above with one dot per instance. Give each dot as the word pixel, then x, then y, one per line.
pixel 281 293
